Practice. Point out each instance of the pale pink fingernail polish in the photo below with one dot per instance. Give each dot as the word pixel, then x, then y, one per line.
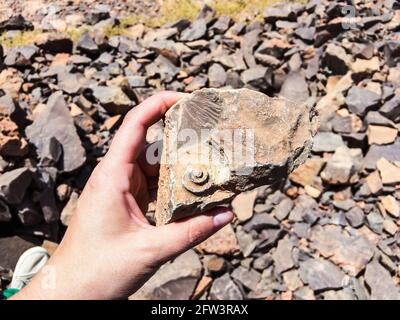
pixel 222 218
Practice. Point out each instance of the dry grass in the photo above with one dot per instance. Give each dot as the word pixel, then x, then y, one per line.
pixel 171 10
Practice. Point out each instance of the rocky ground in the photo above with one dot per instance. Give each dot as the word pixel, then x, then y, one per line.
pixel 332 232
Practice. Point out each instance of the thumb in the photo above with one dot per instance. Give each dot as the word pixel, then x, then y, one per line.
pixel 179 236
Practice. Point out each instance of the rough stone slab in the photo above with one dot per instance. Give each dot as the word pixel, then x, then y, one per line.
pixel 55 121
pixel 282 135
pixel 175 280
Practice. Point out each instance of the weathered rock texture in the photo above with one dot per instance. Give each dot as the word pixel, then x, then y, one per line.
pixel 237 140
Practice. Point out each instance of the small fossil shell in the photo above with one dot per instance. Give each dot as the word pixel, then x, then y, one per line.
pixel 220 142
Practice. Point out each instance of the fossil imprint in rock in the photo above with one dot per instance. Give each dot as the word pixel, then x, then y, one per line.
pixel 220 142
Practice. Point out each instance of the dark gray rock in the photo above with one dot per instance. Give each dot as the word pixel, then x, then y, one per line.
pixel 196 31
pixel 327 142
pixel 55 121
pixel 283 256
pixel 21 57
pixel 355 217
pixel 113 99
pixel 174 281
pixel 13 185
pixel 321 274
pixel 224 288
pixel 17 22
pixel 360 100
pixel 375 152
pixel 380 283
pixel 247 277
pixel 5 214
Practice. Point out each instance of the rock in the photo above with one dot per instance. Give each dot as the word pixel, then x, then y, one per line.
pixel 351 253
pixel 69 209
pixel 196 31
pixel 13 185
pixel 87 45
pixel 247 277
pixel 283 209
pixel 16 22
pixel 345 294
pixel 304 293
pixel 208 191
pixel 374 182
pixel 381 135
pixel 216 76
pixel 176 280
pixel 215 265
pixel 246 242
pixel 163 67
pixel 254 76
pixel 54 121
pixel 342 166
pixel 71 83
pixel 306 173
pixel 292 280
pixel 11 248
pixel 113 99
pixel 283 256
pixel 376 152
pixel 10 82
pixel 11 143
pixel 365 66
pixel 20 57
pixel 5 214
pixel 321 274
pixel 28 213
pixel 283 11
pixel 295 88
pixel 390 173
pixel 360 100
pixel 224 288
pixel 221 25
pixel 224 242
pixel 243 205
pixel 391 109
pixel 197 83
pixel 355 217
pixel 390 227
pixel 336 59
pixel 261 221
pixel 391 205
pixel 203 285
pixel 375 221
pixel 326 142
pixel 380 282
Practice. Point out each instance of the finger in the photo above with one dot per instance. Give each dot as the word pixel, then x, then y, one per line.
pixel 130 138
pixel 177 237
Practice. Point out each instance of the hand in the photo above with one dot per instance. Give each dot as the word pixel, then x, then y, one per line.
pixel 110 250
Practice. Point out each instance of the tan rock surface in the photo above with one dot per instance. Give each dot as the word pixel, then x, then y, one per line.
pixel 251 139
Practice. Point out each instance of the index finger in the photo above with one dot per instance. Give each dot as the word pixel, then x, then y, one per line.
pixel 130 138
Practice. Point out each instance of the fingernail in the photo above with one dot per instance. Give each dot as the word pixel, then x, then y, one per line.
pixel 222 218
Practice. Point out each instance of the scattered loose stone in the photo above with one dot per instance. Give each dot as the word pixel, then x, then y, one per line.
pixel 390 173
pixel 283 256
pixel 176 280
pixel 391 205
pixel 381 134
pixel 54 121
pixel 224 288
pixel 321 274
pixel 380 282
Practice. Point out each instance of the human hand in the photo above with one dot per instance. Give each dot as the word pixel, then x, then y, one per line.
pixel 110 250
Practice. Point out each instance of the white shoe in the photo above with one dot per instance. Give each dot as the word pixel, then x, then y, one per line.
pixel 28 265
